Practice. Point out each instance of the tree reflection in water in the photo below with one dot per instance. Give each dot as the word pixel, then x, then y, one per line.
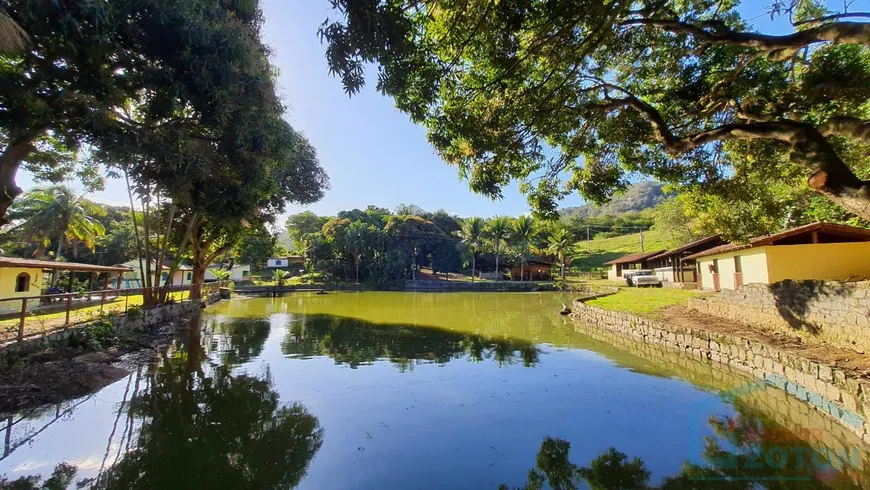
pixel 356 342
pixel 751 464
pixel 215 430
pixel 204 427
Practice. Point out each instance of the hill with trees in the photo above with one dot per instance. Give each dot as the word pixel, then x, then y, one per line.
pixel 638 197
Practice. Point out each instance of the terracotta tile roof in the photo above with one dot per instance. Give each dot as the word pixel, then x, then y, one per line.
pixel 63 266
pixel 853 233
pixel 638 257
pixel 689 246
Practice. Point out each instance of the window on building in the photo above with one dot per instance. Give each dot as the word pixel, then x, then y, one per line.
pixel 189 276
pixel 738 266
pixel 244 273
pixel 22 282
pixel 164 276
pixel 277 262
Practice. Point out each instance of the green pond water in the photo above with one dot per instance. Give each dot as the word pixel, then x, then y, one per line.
pixel 422 390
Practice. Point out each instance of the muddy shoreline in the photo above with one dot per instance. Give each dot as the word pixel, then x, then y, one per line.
pixel 89 361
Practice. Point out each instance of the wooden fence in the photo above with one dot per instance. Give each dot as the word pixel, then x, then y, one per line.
pixel 56 311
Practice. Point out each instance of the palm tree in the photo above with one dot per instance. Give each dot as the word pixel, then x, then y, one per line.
pixel 472 233
pixel 498 230
pixel 57 211
pixel 281 276
pixel 560 246
pixel 522 234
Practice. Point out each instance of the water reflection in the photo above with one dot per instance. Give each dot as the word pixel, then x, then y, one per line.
pixel 761 455
pixel 214 411
pixel 200 425
pixel 61 477
pixel 356 342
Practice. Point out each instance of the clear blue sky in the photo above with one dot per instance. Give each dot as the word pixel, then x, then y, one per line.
pixel 372 152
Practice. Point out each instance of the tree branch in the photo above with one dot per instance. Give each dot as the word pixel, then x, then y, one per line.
pixel 852 127
pixel 834 32
pixel 832 17
pixel 810 148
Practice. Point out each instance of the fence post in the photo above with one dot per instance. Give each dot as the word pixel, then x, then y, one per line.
pixel 102 300
pixel 68 307
pixel 23 316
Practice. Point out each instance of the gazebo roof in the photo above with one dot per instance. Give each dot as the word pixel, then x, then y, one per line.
pixel 59 266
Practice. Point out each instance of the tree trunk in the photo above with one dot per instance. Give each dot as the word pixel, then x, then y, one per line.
pixel 57 256
pixel 472 266
pixel 11 158
pixel 197 279
pixel 496 262
pixel 522 269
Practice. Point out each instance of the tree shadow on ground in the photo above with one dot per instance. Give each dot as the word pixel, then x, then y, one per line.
pixel 793 300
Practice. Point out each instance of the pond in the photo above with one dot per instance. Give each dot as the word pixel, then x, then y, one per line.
pixel 394 390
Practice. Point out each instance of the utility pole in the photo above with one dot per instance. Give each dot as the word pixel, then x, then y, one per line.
pixel 587 238
pixel 414 269
pixel 641 240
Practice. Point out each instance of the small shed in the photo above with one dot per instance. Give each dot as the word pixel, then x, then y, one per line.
pixel 532 270
pixel 631 261
pixel 288 262
pixel 823 251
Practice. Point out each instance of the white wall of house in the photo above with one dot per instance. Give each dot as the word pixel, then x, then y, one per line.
pixel 133 279
pixel 240 272
pixel 284 263
pixel 753 262
pixel 614 272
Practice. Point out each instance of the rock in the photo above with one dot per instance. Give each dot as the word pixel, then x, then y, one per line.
pixel 94 357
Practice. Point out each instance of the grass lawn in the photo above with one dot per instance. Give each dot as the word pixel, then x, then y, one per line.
pixel 45 322
pixel 643 301
pixel 602 250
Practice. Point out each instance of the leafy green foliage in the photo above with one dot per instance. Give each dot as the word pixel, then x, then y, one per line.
pixel 57 216
pixel 256 246
pixel 190 423
pixel 566 96
pixel 674 223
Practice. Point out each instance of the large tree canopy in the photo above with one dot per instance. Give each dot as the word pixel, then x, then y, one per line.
pixel 172 92
pixel 572 95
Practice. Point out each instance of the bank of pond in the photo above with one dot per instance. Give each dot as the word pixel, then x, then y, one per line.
pixel 395 390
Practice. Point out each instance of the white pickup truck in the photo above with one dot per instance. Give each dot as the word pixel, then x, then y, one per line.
pixel 643 278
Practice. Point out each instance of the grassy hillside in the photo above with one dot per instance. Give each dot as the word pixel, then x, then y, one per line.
pixel 602 250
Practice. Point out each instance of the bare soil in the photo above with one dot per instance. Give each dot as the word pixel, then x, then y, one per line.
pixel 66 372
pixel 848 360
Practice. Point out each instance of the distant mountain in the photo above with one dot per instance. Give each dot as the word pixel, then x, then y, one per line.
pixel 639 196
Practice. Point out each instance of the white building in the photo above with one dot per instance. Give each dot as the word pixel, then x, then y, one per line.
pixel 293 262
pixel 133 279
pixel 238 273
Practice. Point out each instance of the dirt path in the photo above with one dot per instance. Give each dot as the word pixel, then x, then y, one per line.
pixel 848 360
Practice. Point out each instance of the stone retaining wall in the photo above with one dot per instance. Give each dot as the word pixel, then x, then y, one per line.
pixel 149 317
pixel 833 312
pixel 834 393
pixel 774 404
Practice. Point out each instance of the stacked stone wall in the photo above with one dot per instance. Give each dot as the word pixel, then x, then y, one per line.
pixel 834 312
pixel 841 396
pixel 827 435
